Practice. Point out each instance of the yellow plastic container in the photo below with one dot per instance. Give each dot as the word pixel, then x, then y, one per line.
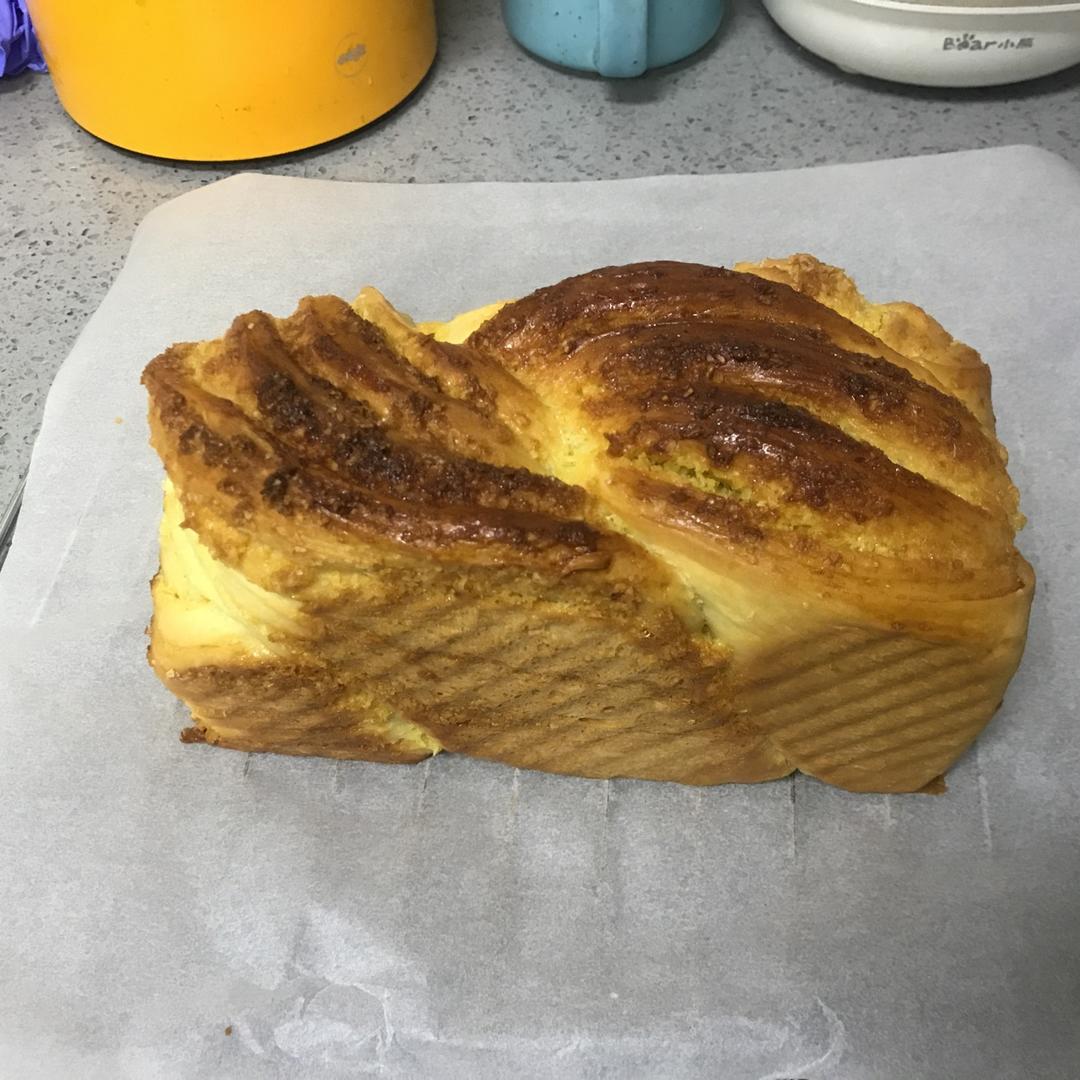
pixel 223 80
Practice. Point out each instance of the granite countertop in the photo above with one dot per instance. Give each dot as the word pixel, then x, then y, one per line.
pixel 752 100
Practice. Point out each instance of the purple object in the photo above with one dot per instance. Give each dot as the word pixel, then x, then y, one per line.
pixel 19 49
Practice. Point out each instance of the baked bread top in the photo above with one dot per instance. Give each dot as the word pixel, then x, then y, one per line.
pixel 757 472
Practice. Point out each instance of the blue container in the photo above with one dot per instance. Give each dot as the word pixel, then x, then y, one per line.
pixel 618 38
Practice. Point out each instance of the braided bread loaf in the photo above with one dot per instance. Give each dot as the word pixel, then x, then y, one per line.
pixel 664 520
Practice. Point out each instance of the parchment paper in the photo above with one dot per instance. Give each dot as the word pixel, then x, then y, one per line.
pixel 179 911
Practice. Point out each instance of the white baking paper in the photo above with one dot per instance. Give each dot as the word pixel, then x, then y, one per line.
pixel 180 911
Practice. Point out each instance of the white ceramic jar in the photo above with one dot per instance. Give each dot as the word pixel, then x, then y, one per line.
pixel 929 44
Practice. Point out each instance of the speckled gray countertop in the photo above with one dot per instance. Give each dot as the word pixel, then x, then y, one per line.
pixel 752 100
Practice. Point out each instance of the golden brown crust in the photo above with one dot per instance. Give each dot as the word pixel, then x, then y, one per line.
pixel 663 520
pixel 730 400
pixel 902 327
pixel 314 420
